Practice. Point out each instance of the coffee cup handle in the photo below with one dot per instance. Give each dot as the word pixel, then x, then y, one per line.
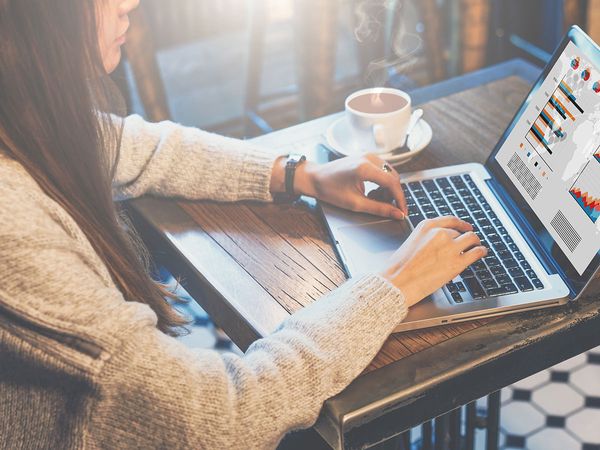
pixel 379 135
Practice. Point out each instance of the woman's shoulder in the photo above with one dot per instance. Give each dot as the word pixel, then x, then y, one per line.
pixel 23 204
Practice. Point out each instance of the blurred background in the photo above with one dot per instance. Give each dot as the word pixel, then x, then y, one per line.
pixel 246 67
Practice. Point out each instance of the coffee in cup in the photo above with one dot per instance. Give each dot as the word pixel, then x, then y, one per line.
pixel 379 118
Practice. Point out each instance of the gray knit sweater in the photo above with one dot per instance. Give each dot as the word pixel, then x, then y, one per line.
pixel 82 368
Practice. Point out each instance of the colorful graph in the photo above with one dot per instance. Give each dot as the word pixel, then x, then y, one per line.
pixel 596 87
pixel 586 190
pixel 575 63
pixel 548 128
pixel 589 204
pixel 597 155
pixel 585 74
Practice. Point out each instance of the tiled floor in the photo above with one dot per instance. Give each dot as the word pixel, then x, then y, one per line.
pixel 558 408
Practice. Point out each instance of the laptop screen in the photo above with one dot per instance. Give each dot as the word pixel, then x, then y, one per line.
pixel 551 156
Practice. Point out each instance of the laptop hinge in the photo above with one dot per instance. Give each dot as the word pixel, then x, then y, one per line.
pixel 523 226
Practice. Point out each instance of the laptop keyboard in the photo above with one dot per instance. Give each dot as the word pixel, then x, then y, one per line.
pixel 504 270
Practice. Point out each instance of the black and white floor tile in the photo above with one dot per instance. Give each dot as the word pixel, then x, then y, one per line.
pixel 556 409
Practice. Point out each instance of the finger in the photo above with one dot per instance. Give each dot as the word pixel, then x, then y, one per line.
pixel 449 222
pixel 474 255
pixel 374 207
pixel 467 240
pixel 388 180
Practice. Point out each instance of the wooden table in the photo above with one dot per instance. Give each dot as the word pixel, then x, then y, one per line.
pixel 251 265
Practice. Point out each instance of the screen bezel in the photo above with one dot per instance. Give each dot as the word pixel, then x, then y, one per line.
pixel 574 281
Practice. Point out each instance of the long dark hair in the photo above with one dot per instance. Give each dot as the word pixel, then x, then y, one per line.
pixel 54 121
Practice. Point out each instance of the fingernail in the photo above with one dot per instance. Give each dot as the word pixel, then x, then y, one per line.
pixel 398 215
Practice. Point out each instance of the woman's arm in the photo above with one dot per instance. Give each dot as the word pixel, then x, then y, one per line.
pixel 171 160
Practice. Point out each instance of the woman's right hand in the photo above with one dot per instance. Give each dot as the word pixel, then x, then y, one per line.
pixel 437 251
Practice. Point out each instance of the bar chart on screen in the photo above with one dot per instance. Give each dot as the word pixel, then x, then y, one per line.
pixel 554 120
pixel 586 190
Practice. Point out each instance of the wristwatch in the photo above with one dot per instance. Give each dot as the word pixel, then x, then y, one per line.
pixel 293 161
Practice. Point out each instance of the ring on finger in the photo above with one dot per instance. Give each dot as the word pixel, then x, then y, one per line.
pixel 386 168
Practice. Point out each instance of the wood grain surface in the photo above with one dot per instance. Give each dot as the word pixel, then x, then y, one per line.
pixel 286 249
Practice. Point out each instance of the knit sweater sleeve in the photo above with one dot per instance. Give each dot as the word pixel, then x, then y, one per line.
pixel 167 159
pixel 152 391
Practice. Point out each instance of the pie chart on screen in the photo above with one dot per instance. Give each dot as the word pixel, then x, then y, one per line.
pixel 575 63
pixel 596 87
pixel 585 74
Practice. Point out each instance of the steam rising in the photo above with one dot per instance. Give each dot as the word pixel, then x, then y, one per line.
pixel 371 17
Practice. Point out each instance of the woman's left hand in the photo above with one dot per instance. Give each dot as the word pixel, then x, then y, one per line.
pixel 342 183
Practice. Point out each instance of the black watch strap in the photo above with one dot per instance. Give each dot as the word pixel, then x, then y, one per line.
pixel 293 161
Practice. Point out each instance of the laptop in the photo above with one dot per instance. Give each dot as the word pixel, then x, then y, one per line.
pixel 535 204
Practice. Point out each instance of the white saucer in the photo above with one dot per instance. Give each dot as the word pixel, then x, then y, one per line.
pixel 339 140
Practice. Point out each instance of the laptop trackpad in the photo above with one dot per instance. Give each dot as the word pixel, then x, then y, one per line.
pixel 367 247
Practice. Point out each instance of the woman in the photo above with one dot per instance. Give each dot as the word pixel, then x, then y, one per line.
pixel 85 356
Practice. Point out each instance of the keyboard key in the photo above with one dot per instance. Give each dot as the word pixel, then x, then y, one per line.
pixel 429 185
pixel 531 274
pixel 523 284
pixel 504 254
pixel 510 263
pixel 484 275
pixel 525 265
pixel 474 288
pixel 461 287
pixel 502 231
pixel 509 288
pixel 416 218
pixel 537 283
pixel 442 182
pixel 494 238
pixel 485 223
pixel 489 284
pixel 452 287
pixel 497 271
pixel 519 256
pixel 504 279
pixel 508 239
pixel 457 297
pixel 516 272
pixel 491 260
pixel 431 215
pixel 513 247
pixel 445 211
pixel 495 291
pixel 468 177
pixel 467 273
pixel 478 265
pixel 488 230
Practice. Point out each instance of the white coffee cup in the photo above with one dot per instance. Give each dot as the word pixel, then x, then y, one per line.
pixel 379 118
